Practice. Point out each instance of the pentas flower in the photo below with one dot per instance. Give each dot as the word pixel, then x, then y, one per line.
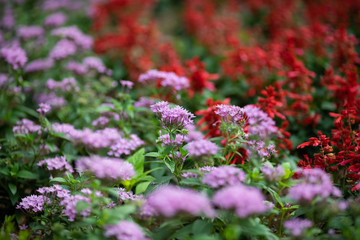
pixel 193 134
pixel 272 174
pixel 27 32
pixel 52 99
pixel 166 141
pixel 96 64
pixel 69 204
pixel 202 148
pixel 124 146
pixel 127 195
pixel 124 230
pixel 43 108
pixel 259 123
pixel 77 68
pixel 314 183
pixel 223 176
pixel 244 200
pixel 144 102
pixel 26 126
pixel 167 79
pixel 230 113
pixel 14 55
pixel 57 163
pixel 63 49
pixel 33 203
pixel 55 19
pixel 126 84
pixel 65 85
pixel 172 118
pixel 72 32
pixel 106 168
pixel 54 191
pixel 39 65
pixel 297 226
pixel 169 201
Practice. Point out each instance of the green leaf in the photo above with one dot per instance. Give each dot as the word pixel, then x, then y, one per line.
pixel 4 171
pixel 26 174
pixel 200 227
pixel 170 164
pixel 58 179
pixel 137 160
pixel 141 187
pixel 153 154
pixel 191 182
pixel 12 188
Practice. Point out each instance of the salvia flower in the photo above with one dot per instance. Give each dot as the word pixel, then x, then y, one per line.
pixel 224 175
pixel 106 168
pixel 55 19
pixel 201 148
pixel 245 200
pixel 14 55
pixel 57 163
pixel 172 118
pixel 169 201
pixel 33 203
pixel 272 174
pixel 297 226
pixel 314 183
pixel 124 230
pixel 43 108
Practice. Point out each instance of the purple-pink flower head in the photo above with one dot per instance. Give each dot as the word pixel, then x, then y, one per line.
pixel 313 183
pixel 78 37
pixel 69 204
pixel 33 203
pixel 27 32
pixel 43 108
pixel 259 123
pixel 57 164
pixel 272 174
pixel 167 79
pixel 223 176
pixel 166 141
pixel 124 230
pixel 297 226
pixel 106 168
pixel 244 200
pixel 202 148
pixel 26 126
pixel 55 19
pixel 230 113
pixel 172 118
pixel 169 201
pixel 95 63
pixel 63 49
pixel 14 55
pixel 126 84
pixel 39 65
